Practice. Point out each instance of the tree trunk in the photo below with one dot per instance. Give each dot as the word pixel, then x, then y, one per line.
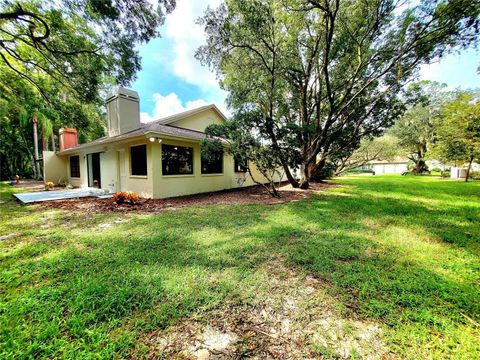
pixel 52 141
pixel 270 189
pixel 469 168
pixel 290 178
pixel 315 171
pixel 44 141
pixel 35 147
pixel 304 177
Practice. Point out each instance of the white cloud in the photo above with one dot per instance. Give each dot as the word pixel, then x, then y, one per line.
pixel 430 71
pixel 169 105
pixel 187 36
pixel 184 37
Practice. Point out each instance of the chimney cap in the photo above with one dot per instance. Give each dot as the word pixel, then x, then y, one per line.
pixel 65 130
pixel 125 93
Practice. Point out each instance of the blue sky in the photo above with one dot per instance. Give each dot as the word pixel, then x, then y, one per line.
pixel 172 80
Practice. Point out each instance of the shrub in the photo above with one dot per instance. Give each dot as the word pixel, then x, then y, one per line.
pixel 326 172
pixel 133 197
pixel 436 169
pixel 49 185
pixel 129 197
pixel 474 175
pixel 446 174
pixel 120 197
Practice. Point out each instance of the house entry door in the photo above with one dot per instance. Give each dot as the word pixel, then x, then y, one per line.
pixel 93 167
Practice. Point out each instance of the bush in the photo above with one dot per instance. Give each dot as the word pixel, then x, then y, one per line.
pixel 474 175
pixel 327 172
pixel 128 197
pixel 446 174
pixel 119 197
pixel 360 171
pixel 436 169
pixel 49 185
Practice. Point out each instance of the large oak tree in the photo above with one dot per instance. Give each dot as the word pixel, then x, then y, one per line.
pixel 313 78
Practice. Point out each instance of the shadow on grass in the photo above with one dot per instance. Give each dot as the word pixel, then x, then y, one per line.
pixel 399 256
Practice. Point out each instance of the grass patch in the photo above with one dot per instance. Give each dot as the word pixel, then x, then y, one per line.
pixel 402 251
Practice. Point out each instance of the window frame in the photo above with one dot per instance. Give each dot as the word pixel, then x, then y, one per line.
pixel 176 148
pixel 146 161
pixel 239 167
pixel 76 168
pixel 221 160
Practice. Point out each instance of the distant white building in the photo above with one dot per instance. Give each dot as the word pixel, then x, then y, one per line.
pixel 458 173
pixel 395 166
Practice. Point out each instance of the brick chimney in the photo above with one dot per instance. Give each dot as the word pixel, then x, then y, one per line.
pixel 67 138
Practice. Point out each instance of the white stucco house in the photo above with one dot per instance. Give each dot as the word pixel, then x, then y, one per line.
pixel 158 159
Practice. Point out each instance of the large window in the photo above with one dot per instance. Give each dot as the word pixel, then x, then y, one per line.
pixel 138 159
pixel 214 165
pixel 75 166
pixel 240 165
pixel 177 160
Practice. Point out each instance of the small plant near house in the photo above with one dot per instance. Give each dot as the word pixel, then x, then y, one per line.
pixel 119 197
pixel 133 198
pixel 127 197
pixel 49 185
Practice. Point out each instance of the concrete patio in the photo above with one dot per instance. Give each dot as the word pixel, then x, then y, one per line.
pixel 39 196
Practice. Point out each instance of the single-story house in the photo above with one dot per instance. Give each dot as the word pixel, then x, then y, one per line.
pixel 159 159
pixel 395 166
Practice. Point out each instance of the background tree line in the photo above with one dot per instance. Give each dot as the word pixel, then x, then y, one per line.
pixel 437 125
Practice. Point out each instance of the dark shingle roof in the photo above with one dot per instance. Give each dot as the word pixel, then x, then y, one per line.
pixel 160 126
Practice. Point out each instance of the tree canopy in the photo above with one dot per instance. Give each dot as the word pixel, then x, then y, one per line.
pixel 313 78
pixel 57 62
pixel 79 44
pixel 457 136
pixel 415 129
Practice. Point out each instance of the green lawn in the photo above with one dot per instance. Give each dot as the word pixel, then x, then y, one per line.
pixel 400 252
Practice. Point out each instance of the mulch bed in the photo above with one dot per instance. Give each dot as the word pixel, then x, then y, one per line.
pixel 249 195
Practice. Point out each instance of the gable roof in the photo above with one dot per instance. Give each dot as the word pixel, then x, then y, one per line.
pixel 158 127
pixel 172 118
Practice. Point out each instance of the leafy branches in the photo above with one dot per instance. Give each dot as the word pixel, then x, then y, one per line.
pixel 77 44
pixel 323 74
pixel 457 137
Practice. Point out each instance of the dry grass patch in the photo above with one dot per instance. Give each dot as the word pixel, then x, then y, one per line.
pixel 294 319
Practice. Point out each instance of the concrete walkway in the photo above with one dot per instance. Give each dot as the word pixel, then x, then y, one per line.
pixel 38 196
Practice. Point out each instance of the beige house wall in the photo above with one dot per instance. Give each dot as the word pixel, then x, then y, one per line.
pixel 54 167
pixel 200 121
pixel 177 185
pixel 115 166
pixel 115 170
